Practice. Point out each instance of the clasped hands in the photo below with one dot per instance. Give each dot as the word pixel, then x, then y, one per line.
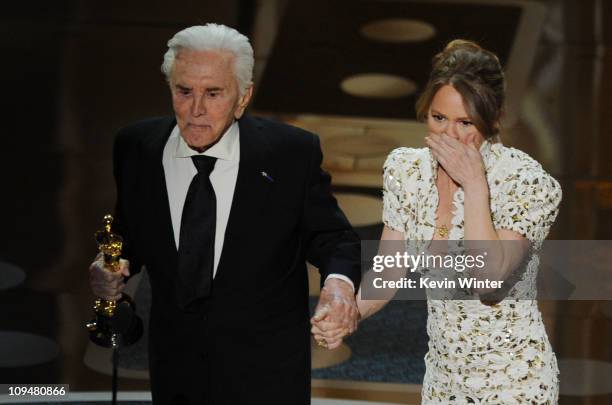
pixel 336 314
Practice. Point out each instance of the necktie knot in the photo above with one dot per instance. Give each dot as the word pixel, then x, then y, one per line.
pixel 204 164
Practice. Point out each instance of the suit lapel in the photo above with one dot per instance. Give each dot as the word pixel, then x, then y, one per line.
pixel 158 203
pixel 253 185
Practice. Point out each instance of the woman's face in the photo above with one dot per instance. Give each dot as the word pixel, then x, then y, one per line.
pixel 447 115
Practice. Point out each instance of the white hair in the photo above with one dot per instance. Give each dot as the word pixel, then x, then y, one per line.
pixel 213 37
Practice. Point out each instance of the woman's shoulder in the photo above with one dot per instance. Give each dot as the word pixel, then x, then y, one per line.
pixel 510 155
pixel 405 168
pixel 513 160
pixel 517 166
pixel 405 157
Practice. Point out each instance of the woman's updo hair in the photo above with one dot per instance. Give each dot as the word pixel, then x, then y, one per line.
pixel 477 75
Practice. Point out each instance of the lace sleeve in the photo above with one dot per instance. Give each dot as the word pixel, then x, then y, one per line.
pixel 392 189
pixel 529 204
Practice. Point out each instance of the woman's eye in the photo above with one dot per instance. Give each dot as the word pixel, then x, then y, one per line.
pixel 213 94
pixel 437 117
pixel 466 123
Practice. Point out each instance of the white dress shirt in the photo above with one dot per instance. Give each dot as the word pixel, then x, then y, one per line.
pixel 179 170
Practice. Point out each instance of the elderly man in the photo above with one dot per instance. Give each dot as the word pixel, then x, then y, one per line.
pixel 223 210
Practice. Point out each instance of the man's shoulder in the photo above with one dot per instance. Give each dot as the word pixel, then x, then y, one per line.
pixel 276 131
pixel 146 127
pixel 152 132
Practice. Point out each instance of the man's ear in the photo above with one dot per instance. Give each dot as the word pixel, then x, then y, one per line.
pixel 243 102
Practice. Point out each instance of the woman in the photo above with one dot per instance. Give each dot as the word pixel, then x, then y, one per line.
pixel 467 186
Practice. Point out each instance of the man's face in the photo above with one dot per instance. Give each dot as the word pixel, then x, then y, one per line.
pixel 205 96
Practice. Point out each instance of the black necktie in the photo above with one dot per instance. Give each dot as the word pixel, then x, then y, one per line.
pixel 197 236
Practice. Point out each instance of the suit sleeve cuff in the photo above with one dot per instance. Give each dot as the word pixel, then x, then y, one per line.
pixel 341 277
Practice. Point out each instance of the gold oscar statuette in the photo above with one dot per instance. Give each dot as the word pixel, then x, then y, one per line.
pixel 107 324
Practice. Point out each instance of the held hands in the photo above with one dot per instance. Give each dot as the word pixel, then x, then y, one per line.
pixel 336 314
pixel 105 283
pixel 461 161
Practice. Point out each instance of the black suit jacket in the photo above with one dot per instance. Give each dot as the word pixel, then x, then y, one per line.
pixel 249 341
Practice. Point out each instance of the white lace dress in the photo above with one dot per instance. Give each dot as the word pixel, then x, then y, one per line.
pixel 481 354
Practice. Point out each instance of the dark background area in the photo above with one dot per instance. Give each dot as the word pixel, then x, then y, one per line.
pixel 74 72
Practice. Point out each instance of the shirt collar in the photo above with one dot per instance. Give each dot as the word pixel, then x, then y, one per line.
pixel 225 149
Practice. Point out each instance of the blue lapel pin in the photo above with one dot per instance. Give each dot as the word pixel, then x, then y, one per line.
pixel 267 177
